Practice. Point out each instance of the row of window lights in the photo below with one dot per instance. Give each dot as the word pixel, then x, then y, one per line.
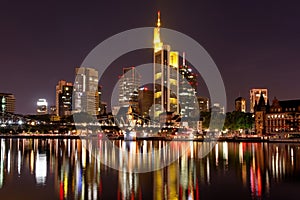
pixel 20 122
pixel 275 116
pixel 279 110
pixel 276 129
pixel 279 116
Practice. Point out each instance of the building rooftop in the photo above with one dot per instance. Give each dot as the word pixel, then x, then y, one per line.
pixel 289 103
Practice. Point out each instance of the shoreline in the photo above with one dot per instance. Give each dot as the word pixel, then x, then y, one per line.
pixel 150 138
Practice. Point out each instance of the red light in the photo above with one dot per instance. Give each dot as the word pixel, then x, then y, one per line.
pixel 61 191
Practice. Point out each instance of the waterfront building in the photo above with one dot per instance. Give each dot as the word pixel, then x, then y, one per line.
pixel 7 103
pixel 145 99
pixel 203 104
pixel 255 96
pixel 128 88
pixel 42 107
pixel 102 105
pixel 260 111
pixel 64 93
pixel 217 108
pixel 283 116
pixel 102 108
pixel 240 104
pixel 166 76
pixel 52 110
pixel 85 91
pixel 187 90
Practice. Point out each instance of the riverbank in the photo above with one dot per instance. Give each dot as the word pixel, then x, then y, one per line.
pixel 154 138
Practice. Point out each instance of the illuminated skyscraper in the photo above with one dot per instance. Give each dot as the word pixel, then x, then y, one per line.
pixel 7 103
pixel 85 94
pixel 203 103
pixel 64 92
pixel 166 75
pixel 145 101
pixel 187 90
pixel 255 96
pixel 102 105
pixel 129 87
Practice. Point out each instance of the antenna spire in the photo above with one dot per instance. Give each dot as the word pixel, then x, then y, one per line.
pixel 158 19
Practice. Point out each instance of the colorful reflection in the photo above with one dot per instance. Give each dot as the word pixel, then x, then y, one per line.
pixel 76 173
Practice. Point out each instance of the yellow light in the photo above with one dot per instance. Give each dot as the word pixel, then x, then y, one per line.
pixel 173 100
pixel 157 95
pixel 174 59
pixel 173 82
pixel 156 41
pixel 157 76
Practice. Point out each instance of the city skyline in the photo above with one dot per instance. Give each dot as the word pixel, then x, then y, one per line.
pixel 250 42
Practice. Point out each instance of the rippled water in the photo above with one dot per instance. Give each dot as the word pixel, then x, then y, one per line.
pixel 65 169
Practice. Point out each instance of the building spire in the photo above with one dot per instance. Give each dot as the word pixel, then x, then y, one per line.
pixel 183 58
pixel 158 19
pixel 156 40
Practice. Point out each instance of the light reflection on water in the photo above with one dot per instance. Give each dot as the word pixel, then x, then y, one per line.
pixel 65 169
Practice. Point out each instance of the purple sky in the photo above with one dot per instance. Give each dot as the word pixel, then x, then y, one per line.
pixel 254 43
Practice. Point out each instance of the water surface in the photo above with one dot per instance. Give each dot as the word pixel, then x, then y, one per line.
pixel 65 169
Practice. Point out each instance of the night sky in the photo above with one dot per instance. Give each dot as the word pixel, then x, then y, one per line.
pixel 254 43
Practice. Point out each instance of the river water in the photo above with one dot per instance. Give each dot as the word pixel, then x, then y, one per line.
pixel 76 169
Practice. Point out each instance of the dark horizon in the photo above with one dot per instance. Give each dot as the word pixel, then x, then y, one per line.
pixel 254 44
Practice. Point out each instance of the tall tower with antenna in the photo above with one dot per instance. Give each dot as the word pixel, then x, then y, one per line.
pixel 166 76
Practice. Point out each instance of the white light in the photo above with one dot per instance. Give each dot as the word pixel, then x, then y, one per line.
pixel 42 102
pixel 41 168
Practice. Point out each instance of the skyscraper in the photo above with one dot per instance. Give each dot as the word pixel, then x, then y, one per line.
pixel 187 90
pixel 64 92
pixel 166 75
pixel 85 96
pixel 255 96
pixel 102 105
pixel 145 101
pixel 7 103
pixel 129 87
pixel 203 103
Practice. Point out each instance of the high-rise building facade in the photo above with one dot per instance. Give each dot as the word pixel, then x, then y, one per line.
pixel 7 103
pixel 129 88
pixel 145 101
pixel 42 107
pixel 255 96
pixel 240 104
pixel 85 91
pixel 166 76
pixel 203 103
pixel 187 90
pixel 102 105
pixel 64 93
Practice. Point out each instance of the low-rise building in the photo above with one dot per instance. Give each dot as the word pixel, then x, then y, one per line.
pixel 283 116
